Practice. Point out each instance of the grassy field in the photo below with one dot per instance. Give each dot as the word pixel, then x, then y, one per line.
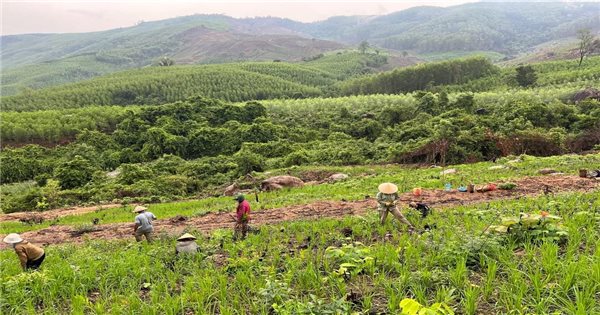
pixel 329 267
pixel 363 181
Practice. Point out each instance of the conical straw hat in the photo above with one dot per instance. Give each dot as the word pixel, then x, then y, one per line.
pixel 139 209
pixel 186 236
pixel 388 188
pixel 12 238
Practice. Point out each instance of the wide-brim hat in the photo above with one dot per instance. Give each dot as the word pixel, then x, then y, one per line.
pixel 186 236
pixel 12 238
pixel 139 209
pixel 388 188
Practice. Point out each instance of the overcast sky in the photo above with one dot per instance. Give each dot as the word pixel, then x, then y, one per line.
pixel 68 16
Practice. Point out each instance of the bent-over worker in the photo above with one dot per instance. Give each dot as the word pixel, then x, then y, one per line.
pixel 186 243
pixel 387 197
pixel 143 224
pixel 31 256
pixel 421 207
pixel 242 217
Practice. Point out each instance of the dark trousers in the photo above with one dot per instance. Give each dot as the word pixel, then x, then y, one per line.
pixel 35 264
pixel 241 229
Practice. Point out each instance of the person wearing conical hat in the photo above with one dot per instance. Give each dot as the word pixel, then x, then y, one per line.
pixel 387 197
pixel 186 243
pixel 143 224
pixel 31 256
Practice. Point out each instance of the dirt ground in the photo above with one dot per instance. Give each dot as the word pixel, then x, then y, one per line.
pixel 528 186
pixel 53 214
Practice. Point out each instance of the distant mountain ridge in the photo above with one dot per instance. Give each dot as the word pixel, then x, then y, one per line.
pixel 502 27
pixel 38 60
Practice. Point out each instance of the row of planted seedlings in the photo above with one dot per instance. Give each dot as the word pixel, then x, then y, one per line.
pixel 363 181
pixel 464 260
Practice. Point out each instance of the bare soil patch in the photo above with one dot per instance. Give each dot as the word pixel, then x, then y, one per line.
pixel 38 217
pixel 528 186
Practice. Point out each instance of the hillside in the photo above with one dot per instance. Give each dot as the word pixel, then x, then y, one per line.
pixel 40 60
pixel 230 81
pixel 337 74
pixel 502 27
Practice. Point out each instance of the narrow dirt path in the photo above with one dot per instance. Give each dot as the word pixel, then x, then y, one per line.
pixel 53 214
pixel 528 186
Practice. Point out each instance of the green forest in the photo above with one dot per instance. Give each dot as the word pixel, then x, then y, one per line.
pixel 230 82
pixel 178 149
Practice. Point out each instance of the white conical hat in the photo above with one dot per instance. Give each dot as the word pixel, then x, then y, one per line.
pixel 12 238
pixel 388 188
pixel 139 209
pixel 186 236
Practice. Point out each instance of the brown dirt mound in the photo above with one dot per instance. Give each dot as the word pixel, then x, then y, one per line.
pixel 322 209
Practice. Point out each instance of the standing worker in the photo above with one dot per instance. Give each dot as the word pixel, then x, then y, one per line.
pixel 387 197
pixel 186 243
pixel 31 256
pixel 242 217
pixel 143 224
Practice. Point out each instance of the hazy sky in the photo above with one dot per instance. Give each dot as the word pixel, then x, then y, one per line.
pixel 51 16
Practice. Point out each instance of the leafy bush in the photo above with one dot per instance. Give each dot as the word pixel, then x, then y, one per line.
pixel 351 259
pixel 248 162
pixel 74 173
pixel 26 200
pixel 131 173
pixel 532 227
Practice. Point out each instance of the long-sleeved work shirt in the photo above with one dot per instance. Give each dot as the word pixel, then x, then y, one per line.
pixel 386 201
pixel 28 252
pixel 243 210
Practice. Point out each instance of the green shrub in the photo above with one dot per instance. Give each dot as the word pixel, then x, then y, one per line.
pixel 24 201
pixel 296 158
pixel 131 173
pixel 532 227
pixel 74 173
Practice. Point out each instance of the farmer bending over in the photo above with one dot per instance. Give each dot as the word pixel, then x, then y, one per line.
pixel 143 224
pixel 421 207
pixel 31 256
pixel 242 216
pixel 387 197
pixel 186 243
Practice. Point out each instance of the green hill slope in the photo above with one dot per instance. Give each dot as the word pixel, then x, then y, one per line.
pixel 231 82
pixel 41 60
pixel 501 27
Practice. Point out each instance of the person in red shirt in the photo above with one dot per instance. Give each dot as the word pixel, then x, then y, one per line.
pixel 242 217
